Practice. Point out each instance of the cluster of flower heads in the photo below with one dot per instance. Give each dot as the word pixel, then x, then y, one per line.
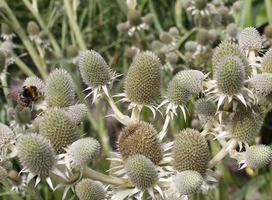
pixel 231 110
pixel 135 21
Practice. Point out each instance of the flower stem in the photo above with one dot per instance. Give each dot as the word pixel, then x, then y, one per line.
pixel 51 37
pixel 90 173
pixel 74 25
pixel 18 29
pixel 268 7
pixel 165 126
pixel 135 115
pixel 156 20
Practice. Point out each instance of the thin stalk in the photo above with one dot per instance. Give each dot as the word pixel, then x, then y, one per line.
pixel 90 173
pixel 51 37
pixel 74 25
pixel 102 132
pixel 123 6
pixel 135 115
pixel 20 32
pixel 268 7
pixel 6 90
pixel 156 19
pixel 23 67
pixel 124 119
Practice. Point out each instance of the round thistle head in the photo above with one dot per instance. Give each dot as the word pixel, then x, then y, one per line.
pixel 15 178
pixel 33 28
pixel 156 45
pixel 190 46
pixel 183 85
pixel 203 37
pixel 267 61
pixel 229 75
pixel 230 49
pixel 6 164
pixel 82 152
pixel 232 29
pixel 77 112
pixel 134 17
pixel 166 38
pixel 258 156
pixel 206 110
pixel 140 138
pixel 122 27
pixel 141 171
pixel 237 6
pixel 261 84
pixel 190 152
pixel 174 31
pixel 35 81
pixel 6 29
pixel 6 134
pixel 148 19
pixel 200 4
pixel 87 189
pixel 94 70
pixel 246 124
pixel 58 128
pixel 3 174
pixel 268 31
pixel 144 78
pixel 72 51
pixel 250 39
pixel 2 61
pixel 7 48
pixel 59 89
pixel 188 182
pixel 43 36
pixel 36 154
pixel 172 58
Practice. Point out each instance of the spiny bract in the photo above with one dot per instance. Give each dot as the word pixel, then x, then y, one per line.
pixel 258 156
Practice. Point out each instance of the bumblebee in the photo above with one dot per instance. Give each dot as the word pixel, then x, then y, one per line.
pixel 26 97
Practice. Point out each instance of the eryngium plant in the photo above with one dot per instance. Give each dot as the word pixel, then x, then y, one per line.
pixel 230 103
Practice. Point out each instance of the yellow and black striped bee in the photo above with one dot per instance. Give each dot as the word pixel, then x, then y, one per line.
pixel 26 97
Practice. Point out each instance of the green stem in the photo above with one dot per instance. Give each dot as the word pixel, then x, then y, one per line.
pixel 74 25
pixel 156 19
pixel 90 173
pixel 123 6
pixel 268 7
pixel 51 37
pixel 165 126
pixel 6 90
pixel 18 29
pixel 22 66
pixel 135 115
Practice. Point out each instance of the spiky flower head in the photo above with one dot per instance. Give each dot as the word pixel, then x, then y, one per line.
pixel 205 109
pixel 230 49
pixel 174 31
pixel 250 39
pixel 77 112
pixel 122 27
pixel 148 19
pixel 166 38
pixel 7 32
pixel 3 174
pixel 232 30
pixel 246 124
pixel 261 84
pixel 190 152
pixel 188 182
pixel 33 29
pixel 72 51
pixel 94 71
pixel 258 156
pixel 87 189
pixel 144 78
pixel 58 128
pixel 59 89
pixel 36 154
pixel 203 37
pixel 6 164
pixel 229 75
pixel 141 171
pixel 140 138
pixel 82 152
pixel 184 85
pixel 134 17
pixel 190 46
pixel 35 81
pixel 267 61
pixel 22 115
pixel 2 61
pixel 6 134
pixel 7 48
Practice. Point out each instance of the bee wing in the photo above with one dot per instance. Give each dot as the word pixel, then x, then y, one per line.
pixel 13 95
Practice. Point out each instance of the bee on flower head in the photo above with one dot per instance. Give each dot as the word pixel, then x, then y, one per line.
pixel 25 97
